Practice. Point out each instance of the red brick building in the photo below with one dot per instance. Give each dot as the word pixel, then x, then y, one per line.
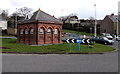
pixel 40 29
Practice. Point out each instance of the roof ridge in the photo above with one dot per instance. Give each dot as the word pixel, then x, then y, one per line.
pixel 37 14
pixel 49 14
pixel 43 16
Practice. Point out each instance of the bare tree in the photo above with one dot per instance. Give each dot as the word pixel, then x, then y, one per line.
pixel 24 11
pixel 91 18
pixel 4 14
pixel 72 14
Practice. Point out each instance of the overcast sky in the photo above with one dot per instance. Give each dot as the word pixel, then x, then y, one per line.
pixel 82 8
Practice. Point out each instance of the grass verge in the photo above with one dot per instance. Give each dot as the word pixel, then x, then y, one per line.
pixel 78 32
pixel 60 48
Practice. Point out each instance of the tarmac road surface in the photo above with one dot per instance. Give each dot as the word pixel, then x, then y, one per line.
pixel 60 63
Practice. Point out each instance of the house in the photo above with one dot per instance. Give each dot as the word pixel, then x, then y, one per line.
pixel 12 23
pixel 71 22
pixel 109 24
pixel 3 23
pixel 40 29
pixel 88 25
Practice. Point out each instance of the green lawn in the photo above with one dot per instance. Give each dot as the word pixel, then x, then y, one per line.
pixel 60 48
pixel 78 32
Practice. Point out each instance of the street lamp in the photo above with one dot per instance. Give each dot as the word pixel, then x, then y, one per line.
pixel 95 27
pixel 117 27
pixel 62 12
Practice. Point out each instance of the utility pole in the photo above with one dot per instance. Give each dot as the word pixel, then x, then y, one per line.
pixel 62 12
pixel 117 24
pixel 95 27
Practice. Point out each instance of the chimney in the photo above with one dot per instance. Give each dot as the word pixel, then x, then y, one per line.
pixel 112 14
pixel 27 17
pixel 53 16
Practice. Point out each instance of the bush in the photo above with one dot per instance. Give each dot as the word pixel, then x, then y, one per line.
pixel 4 32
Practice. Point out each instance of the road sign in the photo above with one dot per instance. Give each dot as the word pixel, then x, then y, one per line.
pixel 67 40
pixel 83 41
pixel 70 41
pixel 78 40
pixel 88 41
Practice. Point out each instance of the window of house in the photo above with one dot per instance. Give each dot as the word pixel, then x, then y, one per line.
pixel 21 31
pixel 31 31
pixel 41 30
pixel 49 31
pixel 26 31
pixel 56 31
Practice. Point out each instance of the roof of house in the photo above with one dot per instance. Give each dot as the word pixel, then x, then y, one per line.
pixel 2 18
pixel 114 18
pixel 42 16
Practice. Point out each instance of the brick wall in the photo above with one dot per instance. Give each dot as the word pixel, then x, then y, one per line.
pixel 45 38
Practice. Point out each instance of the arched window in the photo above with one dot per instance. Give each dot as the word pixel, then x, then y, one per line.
pixel 21 31
pixel 26 31
pixel 56 31
pixel 31 31
pixel 49 31
pixel 41 30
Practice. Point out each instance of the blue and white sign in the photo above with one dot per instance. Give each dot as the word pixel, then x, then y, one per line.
pixel 78 40
pixel 83 41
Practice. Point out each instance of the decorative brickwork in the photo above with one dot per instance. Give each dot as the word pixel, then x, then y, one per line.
pixel 40 29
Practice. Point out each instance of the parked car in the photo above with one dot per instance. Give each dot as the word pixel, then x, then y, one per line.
pixel 74 35
pixel 107 35
pixel 118 38
pixel 103 40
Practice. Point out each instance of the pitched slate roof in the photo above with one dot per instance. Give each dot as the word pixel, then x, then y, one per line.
pixel 42 16
pixel 114 18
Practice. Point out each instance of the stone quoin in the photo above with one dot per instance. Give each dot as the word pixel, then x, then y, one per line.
pixel 40 29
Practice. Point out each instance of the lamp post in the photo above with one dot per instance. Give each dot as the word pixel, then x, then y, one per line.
pixel 95 27
pixel 62 12
pixel 117 32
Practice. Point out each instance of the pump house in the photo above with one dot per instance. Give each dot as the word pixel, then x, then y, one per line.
pixel 40 29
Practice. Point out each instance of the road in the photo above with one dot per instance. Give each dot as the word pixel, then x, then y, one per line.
pixel 116 44
pixel 60 63
pixel 107 62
